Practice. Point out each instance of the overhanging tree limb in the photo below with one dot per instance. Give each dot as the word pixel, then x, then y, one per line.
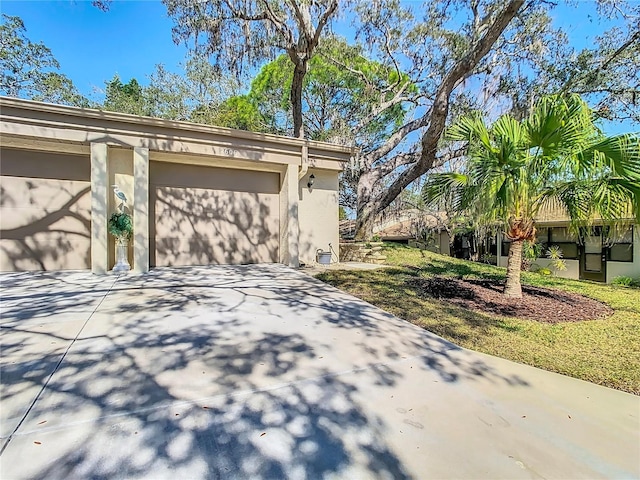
pixel 436 117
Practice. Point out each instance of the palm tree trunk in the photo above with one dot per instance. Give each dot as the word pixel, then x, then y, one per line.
pixel 513 289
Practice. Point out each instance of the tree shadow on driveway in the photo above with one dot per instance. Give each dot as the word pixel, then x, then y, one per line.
pixel 221 372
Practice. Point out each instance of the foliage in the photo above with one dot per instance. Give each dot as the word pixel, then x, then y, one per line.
pixel 240 34
pixel 29 69
pixel 242 113
pixel 481 55
pixel 554 253
pixel 342 213
pixel 544 271
pixel 603 351
pixel 530 252
pixel 125 97
pixel 605 73
pixel 120 225
pixel 555 158
pixel 625 281
pixel 194 95
pixel 335 99
pixel 197 95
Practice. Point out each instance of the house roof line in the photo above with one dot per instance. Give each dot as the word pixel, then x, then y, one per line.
pixel 170 124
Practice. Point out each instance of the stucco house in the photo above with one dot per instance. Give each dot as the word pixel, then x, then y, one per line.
pixel 595 254
pixel 198 194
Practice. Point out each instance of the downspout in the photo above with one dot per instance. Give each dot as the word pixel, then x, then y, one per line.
pixel 304 166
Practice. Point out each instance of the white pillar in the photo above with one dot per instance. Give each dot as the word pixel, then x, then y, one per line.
pixel 289 225
pixel 140 210
pixel 99 233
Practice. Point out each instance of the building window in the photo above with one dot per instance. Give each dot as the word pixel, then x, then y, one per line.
pixel 567 241
pixel 542 238
pixel 504 247
pixel 622 249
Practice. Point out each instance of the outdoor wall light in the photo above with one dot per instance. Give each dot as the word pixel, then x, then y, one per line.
pixel 312 178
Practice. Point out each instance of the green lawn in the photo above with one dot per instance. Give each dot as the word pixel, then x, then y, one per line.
pixel 605 351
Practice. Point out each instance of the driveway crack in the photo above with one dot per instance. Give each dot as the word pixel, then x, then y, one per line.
pixel 56 368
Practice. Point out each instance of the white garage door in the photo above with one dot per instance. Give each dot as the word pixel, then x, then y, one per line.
pixel 205 215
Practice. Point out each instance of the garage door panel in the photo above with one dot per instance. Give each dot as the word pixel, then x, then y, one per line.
pixel 45 251
pixel 213 179
pixel 44 193
pixel 197 226
pixel 45 222
pixel 180 251
pixel 212 213
pixel 41 165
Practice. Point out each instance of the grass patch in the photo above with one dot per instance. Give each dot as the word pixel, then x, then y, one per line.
pixel 604 351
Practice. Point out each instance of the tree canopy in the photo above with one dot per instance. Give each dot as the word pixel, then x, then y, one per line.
pixel 337 95
pixel 410 72
pixel 556 157
pixel 30 70
pixel 240 34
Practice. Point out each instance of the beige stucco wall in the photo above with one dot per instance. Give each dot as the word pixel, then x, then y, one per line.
pixel 445 245
pixel 202 215
pixel 318 214
pixel 120 172
pixel 270 194
pixel 627 269
pixel 45 211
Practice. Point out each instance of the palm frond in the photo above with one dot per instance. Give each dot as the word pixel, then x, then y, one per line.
pixel 443 185
pixel 620 154
pixel 470 128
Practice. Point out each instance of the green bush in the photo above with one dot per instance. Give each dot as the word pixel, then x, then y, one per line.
pixel 120 225
pixel 624 281
pixel 544 271
pixel 554 253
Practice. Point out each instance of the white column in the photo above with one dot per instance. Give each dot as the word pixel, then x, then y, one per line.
pixel 140 210
pixel 99 184
pixel 289 225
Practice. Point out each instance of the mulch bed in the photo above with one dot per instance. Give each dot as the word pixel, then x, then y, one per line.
pixel 541 304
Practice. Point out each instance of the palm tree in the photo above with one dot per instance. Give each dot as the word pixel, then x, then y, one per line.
pixel 556 157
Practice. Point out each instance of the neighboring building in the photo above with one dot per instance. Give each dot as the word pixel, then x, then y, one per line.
pixel 198 194
pixel 420 228
pixel 595 254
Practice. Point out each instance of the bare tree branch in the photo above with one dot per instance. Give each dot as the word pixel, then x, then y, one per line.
pixel 435 118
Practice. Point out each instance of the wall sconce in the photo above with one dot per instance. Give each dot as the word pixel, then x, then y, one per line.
pixel 312 178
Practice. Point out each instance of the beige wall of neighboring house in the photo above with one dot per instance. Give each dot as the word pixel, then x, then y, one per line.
pixel 627 269
pixel 198 194
pixel 576 267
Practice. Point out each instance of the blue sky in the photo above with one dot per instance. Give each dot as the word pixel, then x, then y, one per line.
pixel 91 45
pixel 135 35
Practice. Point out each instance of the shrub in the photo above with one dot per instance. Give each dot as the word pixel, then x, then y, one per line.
pixel 554 253
pixel 530 251
pixel 120 225
pixel 624 281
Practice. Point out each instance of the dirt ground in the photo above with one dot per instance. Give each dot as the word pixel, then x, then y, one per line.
pixel 541 304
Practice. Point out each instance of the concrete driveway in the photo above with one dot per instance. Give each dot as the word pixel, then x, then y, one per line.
pixel 263 372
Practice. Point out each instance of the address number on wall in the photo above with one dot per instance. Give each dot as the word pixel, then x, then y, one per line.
pixel 229 152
